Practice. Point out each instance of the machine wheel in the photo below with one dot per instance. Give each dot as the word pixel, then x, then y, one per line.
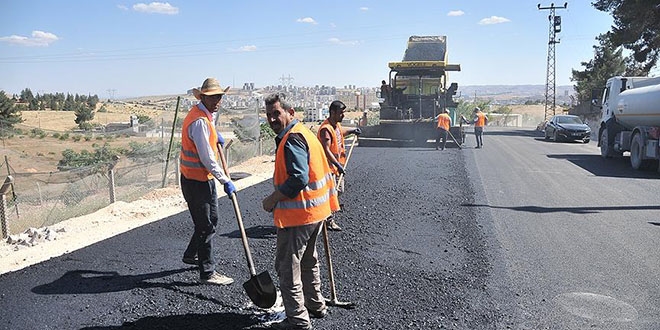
pixel 606 150
pixel 637 160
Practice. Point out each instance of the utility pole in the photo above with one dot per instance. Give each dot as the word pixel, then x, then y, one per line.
pixel 555 27
pixel 286 82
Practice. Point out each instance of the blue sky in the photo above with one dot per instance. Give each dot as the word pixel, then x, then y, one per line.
pixel 156 48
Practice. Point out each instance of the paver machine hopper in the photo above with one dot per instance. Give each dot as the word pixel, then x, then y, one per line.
pixel 418 91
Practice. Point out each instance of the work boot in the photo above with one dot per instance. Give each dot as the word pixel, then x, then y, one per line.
pixel 332 225
pixel 285 325
pixel 217 279
pixel 190 260
pixel 318 314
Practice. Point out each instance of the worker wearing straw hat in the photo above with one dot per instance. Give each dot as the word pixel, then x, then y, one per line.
pixel 199 167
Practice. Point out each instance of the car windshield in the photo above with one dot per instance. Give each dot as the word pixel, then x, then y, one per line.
pixel 569 120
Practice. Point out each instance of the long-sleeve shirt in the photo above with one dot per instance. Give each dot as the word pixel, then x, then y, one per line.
pixel 198 131
pixel 296 158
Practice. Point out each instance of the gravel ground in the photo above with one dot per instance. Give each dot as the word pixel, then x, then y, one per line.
pixel 410 256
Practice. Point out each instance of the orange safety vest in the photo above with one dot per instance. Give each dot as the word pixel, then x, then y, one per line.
pixel 191 166
pixel 318 199
pixel 337 146
pixel 481 120
pixel 444 121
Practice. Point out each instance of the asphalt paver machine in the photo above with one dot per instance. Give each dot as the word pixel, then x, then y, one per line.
pixel 418 91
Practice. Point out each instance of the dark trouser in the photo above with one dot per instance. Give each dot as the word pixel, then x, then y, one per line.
pixel 442 135
pixel 297 266
pixel 202 199
pixel 479 134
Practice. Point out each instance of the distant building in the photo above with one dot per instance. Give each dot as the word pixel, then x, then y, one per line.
pixel 313 114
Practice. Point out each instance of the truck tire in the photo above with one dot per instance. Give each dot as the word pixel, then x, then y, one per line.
pixel 637 160
pixel 606 150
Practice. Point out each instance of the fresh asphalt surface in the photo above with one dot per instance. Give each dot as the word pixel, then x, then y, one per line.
pixel 523 234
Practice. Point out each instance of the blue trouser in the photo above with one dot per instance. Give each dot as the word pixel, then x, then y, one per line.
pixel 479 134
pixel 202 200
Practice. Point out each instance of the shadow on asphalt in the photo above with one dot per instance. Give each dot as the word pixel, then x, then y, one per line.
pixel 616 167
pixel 94 281
pixel 575 210
pixel 511 132
pixel 256 232
pixel 654 223
pixel 228 321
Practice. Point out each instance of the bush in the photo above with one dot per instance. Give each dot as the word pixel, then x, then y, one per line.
pixel 56 135
pixel 76 137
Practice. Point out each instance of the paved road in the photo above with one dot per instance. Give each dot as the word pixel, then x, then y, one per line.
pixel 579 235
pixel 523 234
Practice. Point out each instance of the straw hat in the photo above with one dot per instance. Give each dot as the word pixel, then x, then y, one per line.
pixel 211 86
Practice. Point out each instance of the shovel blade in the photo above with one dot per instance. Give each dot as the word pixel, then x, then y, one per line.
pixel 261 290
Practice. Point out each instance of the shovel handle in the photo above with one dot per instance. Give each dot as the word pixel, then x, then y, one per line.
pixel 246 247
pixel 350 152
pixel 331 273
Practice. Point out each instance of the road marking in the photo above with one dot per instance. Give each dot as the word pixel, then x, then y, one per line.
pixel 596 307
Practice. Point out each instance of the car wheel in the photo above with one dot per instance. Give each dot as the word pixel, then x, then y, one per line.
pixel 546 136
pixel 586 140
pixel 555 137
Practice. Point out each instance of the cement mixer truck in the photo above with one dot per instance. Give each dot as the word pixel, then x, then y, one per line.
pixel 630 120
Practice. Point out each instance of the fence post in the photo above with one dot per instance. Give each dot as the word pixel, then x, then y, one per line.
pixel 3 205
pixel 111 186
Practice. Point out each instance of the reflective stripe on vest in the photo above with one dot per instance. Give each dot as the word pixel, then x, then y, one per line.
pixel 191 165
pixel 318 199
pixel 336 143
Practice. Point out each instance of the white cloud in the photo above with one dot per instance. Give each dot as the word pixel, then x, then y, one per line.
pixel 493 20
pixel 364 8
pixel 337 41
pixel 122 7
pixel 156 8
pixel 456 13
pixel 306 20
pixel 39 39
pixel 248 48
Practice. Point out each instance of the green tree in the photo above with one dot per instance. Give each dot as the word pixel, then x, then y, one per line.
pixel 84 113
pixel 26 95
pixel 69 103
pixel 608 61
pixel 9 114
pixel 636 27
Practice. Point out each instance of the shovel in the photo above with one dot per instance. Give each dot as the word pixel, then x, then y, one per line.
pixel 259 288
pixel 455 141
pixel 333 294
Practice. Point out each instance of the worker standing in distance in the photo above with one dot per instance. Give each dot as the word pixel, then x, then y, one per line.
pixel 332 134
pixel 480 120
pixel 304 197
pixel 385 92
pixel 199 166
pixel 444 122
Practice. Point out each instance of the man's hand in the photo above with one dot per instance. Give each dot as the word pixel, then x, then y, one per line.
pixel 270 202
pixel 357 131
pixel 340 169
pixel 230 188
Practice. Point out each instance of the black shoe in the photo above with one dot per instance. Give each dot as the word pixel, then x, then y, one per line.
pixel 190 261
pixel 318 314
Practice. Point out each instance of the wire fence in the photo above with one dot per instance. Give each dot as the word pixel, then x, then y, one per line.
pixel 43 199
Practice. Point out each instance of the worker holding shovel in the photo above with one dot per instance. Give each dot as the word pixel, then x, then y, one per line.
pixel 331 134
pixel 304 197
